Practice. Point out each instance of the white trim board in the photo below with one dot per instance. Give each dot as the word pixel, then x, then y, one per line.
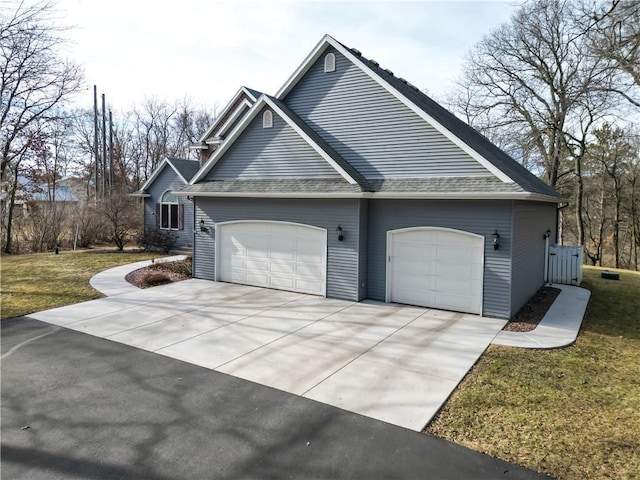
pixel 236 96
pixel 159 168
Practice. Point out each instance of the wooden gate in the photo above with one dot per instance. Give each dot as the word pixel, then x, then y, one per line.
pixel 565 264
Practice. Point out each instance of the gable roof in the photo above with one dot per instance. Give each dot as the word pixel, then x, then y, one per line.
pixel 184 169
pixel 232 110
pixel 345 169
pixel 471 141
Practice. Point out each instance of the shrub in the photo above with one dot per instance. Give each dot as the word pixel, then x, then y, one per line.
pixel 153 279
pixel 156 239
pixel 181 267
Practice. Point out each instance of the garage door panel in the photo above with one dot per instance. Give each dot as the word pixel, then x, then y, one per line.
pixel 436 268
pixel 310 271
pixel 273 255
pixel 283 267
pixel 283 283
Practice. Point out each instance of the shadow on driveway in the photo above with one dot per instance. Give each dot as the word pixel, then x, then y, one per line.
pixel 99 409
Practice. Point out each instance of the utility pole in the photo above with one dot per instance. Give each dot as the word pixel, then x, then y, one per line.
pixel 104 148
pixel 95 137
pixel 111 150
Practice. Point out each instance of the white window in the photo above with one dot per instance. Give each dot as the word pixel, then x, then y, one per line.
pixel 329 62
pixel 267 119
pixel 169 211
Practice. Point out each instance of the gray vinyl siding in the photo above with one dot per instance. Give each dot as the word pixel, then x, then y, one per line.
pixel 276 152
pixel 342 257
pixel 169 180
pixel 362 248
pixel 479 217
pixel 371 129
pixel 530 221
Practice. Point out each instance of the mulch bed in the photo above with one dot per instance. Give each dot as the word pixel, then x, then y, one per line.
pixel 159 273
pixel 533 311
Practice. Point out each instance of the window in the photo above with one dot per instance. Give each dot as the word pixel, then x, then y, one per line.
pixel 169 210
pixel 267 119
pixel 329 63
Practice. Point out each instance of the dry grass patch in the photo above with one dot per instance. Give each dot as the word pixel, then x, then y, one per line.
pixel 573 413
pixel 31 283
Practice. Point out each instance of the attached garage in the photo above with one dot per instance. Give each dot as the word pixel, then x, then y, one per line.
pixel 280 255
pixel 435 267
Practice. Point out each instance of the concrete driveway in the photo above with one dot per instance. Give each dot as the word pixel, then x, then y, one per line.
pixel 392 362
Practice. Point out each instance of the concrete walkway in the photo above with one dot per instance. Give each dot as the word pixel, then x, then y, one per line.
pixel 111 282
pixel 558 328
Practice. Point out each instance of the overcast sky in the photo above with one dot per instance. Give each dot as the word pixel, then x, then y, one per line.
pixel 207 49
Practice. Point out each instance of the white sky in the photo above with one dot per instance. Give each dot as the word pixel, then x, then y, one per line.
pixel 207 49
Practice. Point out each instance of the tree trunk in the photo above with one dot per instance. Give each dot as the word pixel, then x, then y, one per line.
pixel 579 199
pixel 12 201
pixel 603 208
pixel 616 225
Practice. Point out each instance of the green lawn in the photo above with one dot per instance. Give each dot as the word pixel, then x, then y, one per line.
pixel 31 283
pixel 574 412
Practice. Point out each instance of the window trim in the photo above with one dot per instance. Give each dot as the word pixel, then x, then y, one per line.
pixel 267 119
pixel 330 62
pixel 170 205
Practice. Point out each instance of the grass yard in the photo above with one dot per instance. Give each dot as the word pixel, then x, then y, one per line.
pixel 573 413
pixel 31 283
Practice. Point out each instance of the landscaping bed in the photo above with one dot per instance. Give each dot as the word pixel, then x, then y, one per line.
pixel 161 273
pixel 533 311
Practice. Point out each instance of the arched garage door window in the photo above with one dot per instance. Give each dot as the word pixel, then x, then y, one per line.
pixel 169 212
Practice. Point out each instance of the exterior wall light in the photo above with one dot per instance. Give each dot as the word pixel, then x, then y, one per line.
pixel 202 227
pixel 496 240
pixel 339 233
pixel 547 234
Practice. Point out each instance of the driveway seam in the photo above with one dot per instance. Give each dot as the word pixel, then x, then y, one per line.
pixel 283 336
pixel 182 313
pixel 159 350
pixel 365 351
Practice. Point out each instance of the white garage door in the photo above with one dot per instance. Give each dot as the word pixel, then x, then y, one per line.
pixel 435 267
pixel 286 256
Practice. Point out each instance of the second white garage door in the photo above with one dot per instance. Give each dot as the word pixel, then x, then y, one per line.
pixel 435 267
pixel 286 256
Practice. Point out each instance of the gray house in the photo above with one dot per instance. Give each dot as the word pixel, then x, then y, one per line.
pixel 350 183
pixel 163 209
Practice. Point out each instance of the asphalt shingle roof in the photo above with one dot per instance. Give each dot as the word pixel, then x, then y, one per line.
pixel 187 168
pixel 293 185
pixel 478 142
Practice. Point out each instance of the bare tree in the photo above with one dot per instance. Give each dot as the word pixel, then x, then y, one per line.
pixel 534 78
pixel 35 82
pixel 122 217
pixel 615 35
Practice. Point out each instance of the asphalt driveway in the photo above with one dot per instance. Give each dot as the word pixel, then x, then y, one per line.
pixel 76 406
pixel 391 362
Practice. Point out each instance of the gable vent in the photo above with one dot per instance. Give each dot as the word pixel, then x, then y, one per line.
pixel 267 119
pixel 329 62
